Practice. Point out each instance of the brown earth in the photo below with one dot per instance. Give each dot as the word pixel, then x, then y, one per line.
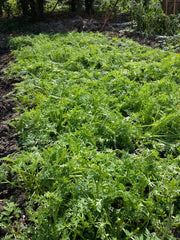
pixel 7 112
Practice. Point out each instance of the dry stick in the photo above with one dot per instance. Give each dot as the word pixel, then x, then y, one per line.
pixel 174 7
pixel 54 7
pixel 132 17
pixel 106 21
pixel 166 6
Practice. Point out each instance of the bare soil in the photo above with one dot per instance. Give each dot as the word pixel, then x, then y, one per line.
pixel 7 112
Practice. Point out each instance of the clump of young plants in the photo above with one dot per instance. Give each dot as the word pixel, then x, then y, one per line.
pixel 99 132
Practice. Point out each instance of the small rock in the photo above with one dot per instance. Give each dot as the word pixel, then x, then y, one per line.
pixel 77 23
pixel 90 26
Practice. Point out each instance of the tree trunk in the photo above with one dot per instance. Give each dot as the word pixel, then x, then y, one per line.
pixel 1 7
pixel 1 13
pixel 25 7
pixel 40 8
pixel 73 5
pixel 33 9
pixel 89 6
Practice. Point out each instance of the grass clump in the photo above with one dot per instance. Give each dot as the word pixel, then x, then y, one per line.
pixel 99 130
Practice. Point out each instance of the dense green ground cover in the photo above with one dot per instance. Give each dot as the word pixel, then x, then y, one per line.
pixel 99 129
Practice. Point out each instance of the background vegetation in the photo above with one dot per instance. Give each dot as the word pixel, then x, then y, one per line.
pixel 148 14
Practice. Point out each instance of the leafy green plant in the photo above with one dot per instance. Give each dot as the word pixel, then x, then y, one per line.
pixel 170 43
pixel 152 20
pixel 99 131
pixel 9 215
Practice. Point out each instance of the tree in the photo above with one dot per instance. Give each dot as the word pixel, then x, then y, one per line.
pixel 24 5
pixel 73 5
pixel 40 7
pixel 89 6
pixel 4 5
pixel 33 8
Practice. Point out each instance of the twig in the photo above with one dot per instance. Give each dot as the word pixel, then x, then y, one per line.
pixel 107 19
pixel 166 6
pixel 54 7
pixel 132 16
pixel 174 11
